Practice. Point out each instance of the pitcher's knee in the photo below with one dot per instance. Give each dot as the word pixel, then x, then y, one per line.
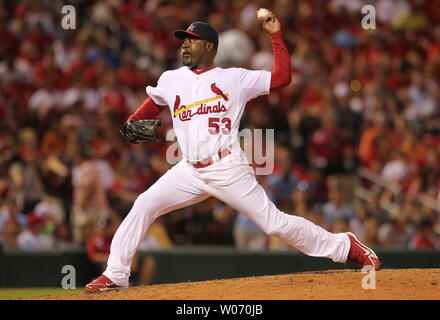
pixel 146 204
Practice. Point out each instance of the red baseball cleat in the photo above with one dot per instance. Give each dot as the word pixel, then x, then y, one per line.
pixel 102 283
pixel 361 255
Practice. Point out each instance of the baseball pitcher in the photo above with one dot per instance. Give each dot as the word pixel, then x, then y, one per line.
pixel 206 104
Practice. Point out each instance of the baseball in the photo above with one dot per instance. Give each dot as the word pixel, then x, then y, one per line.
pixel 263 14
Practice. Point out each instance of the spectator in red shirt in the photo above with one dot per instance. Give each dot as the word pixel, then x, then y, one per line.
pixel 129 74
pixel 425 237
pixel 113 101
pixel 98 251
pixel 46 71
pixel 98 245
pixel 326 147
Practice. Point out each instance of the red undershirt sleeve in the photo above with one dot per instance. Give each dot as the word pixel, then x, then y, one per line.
pixel 281 75
pixel 147 110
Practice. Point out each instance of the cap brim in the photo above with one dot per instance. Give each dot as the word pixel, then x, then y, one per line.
pixel 182 34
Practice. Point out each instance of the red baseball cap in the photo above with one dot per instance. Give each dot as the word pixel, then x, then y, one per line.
pixel 32 218
pixel 200 30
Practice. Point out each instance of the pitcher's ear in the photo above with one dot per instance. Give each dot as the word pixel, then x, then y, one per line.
pixel 209 46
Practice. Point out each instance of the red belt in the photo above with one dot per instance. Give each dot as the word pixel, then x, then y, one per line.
pixel 209 161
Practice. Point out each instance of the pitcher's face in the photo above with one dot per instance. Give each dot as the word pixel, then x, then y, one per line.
pixel 194 51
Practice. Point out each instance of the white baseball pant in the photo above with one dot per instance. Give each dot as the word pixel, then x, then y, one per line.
pixel 232 182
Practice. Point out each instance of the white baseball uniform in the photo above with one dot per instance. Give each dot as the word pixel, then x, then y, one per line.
pixel 206 109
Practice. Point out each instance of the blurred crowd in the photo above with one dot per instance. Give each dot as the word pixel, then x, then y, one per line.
pixel 359 99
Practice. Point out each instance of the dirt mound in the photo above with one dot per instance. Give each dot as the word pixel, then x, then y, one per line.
pixel 395 284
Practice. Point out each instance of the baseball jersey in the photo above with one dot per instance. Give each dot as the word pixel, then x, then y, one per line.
pixel 206 108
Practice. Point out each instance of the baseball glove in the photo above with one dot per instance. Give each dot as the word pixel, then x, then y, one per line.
pixel 135 131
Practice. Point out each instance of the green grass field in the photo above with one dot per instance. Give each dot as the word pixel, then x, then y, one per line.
pixel 23 293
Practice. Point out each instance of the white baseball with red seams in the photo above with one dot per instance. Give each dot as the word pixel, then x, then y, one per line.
pixel 206 109
pixel 263 13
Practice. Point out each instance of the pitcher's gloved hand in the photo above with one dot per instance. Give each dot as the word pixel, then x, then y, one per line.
pixel 135 131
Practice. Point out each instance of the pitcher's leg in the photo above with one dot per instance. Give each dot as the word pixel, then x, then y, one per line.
pixel 247 197
pixel 175 189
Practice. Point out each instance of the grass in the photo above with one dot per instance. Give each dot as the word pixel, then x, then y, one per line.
pixel 23 293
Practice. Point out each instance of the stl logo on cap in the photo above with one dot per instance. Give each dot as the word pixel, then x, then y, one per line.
pixel 190 28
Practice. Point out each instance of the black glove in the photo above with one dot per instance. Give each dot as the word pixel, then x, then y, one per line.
pixel 135 131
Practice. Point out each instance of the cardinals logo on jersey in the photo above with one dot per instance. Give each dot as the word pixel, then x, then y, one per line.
pixel 218 92
pixel 185 113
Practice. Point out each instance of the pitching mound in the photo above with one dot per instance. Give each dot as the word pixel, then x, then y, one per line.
pixel 412 284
